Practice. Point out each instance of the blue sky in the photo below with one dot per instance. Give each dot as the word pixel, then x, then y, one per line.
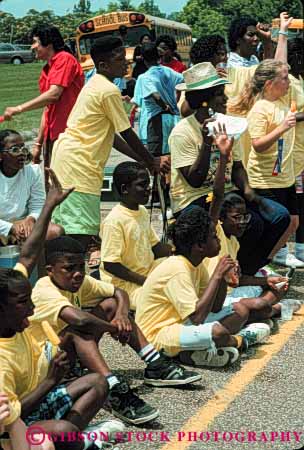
pixel 61 7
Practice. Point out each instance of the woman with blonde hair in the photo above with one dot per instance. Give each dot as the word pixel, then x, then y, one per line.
pixel 271 125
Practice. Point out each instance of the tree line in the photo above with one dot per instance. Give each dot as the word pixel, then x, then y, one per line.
pixel 203 16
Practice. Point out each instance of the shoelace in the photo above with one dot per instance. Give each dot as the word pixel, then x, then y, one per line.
pixel 249 336
pixel 211 352
pixel 130 398
pixel 172 365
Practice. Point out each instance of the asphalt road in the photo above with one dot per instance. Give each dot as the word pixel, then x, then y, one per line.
pixel 255 404
pixel 246 406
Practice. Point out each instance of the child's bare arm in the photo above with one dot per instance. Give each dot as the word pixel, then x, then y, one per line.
pixel 18 440
pixel 121 271
pixel 224 144
pixel 162 250
pixel 4 410
pixel 34 243
pixel 85 322
pixel 209 299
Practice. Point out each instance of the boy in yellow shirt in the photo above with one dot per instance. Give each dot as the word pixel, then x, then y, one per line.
pixel 181 308
pixel 130 247
pixel 81 152
pixel 30 376
pixel 62 297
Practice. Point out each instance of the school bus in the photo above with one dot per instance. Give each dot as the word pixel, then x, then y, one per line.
pixel 295 28
pixel 130 26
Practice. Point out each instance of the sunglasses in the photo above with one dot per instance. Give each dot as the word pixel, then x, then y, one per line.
pixel 241 218
pixel 19 150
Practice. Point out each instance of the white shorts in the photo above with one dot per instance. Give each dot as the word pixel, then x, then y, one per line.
pixel 199 337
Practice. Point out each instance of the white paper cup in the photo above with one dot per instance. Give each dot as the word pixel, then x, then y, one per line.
pixel 286 310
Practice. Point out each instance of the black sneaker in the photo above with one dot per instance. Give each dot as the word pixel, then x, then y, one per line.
pixel 166 372
pixel 128 407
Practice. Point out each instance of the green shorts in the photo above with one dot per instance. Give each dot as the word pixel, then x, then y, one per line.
pixel 79 214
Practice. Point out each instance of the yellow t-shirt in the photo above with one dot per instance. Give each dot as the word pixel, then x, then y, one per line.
pixel 23 366
pixel 127 237
pixel 229 246
pixel 21 268
pixel 81 152
pixel 238 77
pixel 185 142
pixel 49 301
pixel 264 117
pixel 168 298
pixel 296 93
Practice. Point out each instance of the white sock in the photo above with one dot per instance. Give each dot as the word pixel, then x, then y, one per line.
pixel 149 353
pixel 112 380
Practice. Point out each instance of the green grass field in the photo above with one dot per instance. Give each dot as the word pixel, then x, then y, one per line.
pixel 17 85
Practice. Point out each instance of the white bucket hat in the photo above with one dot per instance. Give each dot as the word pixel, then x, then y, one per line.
pixel 201 76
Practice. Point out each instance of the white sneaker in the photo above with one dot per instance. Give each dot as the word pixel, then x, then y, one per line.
pixel 288 260
pixel 299 256
pixel 109 428
pixel 255 333
pixel 220 358
pixel 267 271
pixel 268 322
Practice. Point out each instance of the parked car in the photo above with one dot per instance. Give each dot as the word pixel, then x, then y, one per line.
pixel 10 53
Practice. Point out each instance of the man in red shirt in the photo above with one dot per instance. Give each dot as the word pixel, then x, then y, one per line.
pixel 60 82
pixel 167 47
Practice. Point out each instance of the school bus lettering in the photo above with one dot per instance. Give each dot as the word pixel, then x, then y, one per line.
pixel 137 24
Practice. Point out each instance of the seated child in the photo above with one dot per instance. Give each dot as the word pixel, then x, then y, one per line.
pixel 181 308
pixel 31 376
pixel 130 248
pixel 22 191
pixel 61 297
pixel 259 294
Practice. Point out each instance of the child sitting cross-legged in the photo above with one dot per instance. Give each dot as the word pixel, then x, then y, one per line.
pixel 61 297
pixel 130 248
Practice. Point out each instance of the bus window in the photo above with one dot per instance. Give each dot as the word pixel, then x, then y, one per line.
pixel 131 40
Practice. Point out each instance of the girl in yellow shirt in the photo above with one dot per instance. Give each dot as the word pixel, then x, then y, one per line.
pixel 296 63
pixel 271 125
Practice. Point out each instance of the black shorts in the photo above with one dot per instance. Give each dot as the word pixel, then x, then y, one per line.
pixel 285 196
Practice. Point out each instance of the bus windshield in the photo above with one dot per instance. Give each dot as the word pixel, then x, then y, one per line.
pixel 131 40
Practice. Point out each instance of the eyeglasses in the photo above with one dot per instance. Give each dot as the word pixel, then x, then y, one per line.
pixel 241 218
pixel 17 150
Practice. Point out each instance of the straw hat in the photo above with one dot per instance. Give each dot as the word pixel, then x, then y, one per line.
pixel 201 76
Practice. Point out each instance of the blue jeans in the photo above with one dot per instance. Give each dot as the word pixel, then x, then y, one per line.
pixel 267 225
